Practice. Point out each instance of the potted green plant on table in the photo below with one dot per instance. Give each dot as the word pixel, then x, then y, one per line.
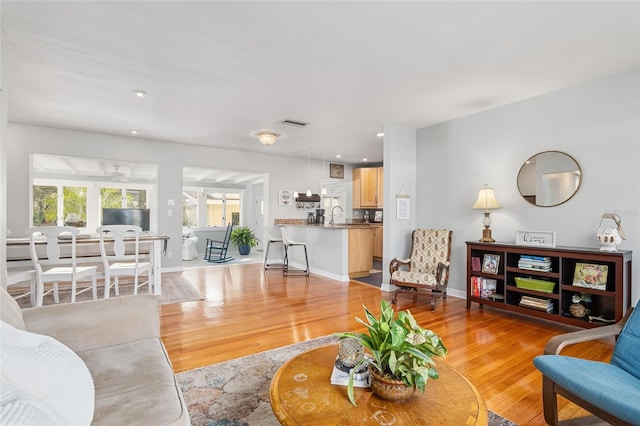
pixel 401 353
pixel 244 238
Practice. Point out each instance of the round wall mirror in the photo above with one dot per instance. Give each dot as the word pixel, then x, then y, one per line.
pixel 549 178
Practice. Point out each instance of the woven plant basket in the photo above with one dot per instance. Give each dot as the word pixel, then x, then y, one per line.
pixel 389 389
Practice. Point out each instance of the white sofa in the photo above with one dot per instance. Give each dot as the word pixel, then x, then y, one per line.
pixel 117 369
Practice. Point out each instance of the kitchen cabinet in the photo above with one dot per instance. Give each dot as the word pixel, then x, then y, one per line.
pixel 377 242
pixel 368 185
pixel 360 251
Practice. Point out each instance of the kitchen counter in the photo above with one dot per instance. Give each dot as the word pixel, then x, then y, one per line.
pixel 341 251
pixel 303 223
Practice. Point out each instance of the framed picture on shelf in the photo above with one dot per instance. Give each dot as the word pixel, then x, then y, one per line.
pixel 490 263
pixel 590 276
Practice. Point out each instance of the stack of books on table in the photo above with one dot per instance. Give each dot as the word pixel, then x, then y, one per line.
pixel 537 303
pixel 535 263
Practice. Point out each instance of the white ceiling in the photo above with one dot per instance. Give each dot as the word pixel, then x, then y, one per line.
pixel 217 72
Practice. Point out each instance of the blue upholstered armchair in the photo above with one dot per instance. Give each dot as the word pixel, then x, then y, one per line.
pixel 611 391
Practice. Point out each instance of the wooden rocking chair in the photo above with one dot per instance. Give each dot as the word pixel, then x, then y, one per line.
pixel 216 251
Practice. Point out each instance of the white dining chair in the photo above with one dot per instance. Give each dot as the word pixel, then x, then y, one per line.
pixel 55 267
pixel 18 278
pixel 116 261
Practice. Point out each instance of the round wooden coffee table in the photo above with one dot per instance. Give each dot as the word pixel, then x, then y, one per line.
pixel 301 393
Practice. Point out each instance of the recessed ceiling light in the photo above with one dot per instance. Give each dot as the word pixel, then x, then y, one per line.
pixel 364 159
pixel 135 132
pixel 380 134
pixel 338 156
pixel 140 93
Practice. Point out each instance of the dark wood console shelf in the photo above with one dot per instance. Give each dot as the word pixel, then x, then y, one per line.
pixel 610 303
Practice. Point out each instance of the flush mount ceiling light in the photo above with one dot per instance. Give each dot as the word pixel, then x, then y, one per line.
pixel 267 138
pixel 135 132
pixel 380 134
pixel 140 93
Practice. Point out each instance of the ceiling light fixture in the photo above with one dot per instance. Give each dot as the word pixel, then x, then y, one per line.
pixel 140 93
pixel 135 132
pixel 338 156
pixel 267 138
pixel 364 159
pixel 380 134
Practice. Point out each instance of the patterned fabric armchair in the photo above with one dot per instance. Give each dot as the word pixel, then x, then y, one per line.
pixel 428 267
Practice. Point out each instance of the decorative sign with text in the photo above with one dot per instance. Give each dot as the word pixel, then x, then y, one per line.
pixel 536 238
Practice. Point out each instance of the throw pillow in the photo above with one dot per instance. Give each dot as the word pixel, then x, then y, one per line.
pixel 42 381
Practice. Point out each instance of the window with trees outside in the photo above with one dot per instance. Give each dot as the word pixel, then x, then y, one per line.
pixel 71 205
pixel 58 205
pixel 210 207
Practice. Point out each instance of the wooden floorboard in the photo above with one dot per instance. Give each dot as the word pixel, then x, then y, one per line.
pixel 248 310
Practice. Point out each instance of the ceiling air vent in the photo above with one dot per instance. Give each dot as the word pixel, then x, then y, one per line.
pixel 294 123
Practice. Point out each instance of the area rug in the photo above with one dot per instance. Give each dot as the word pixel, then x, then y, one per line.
pixel 175 289
pixel 222 394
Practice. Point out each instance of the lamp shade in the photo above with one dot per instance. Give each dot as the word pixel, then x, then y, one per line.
pixel 267 138
pixel 486 199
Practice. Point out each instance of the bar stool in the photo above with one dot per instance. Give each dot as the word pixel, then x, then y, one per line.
pixel 270 239
pixel 288 243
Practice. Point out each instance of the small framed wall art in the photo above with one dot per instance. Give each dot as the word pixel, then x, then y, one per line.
pixel 336 171
pixel 285 198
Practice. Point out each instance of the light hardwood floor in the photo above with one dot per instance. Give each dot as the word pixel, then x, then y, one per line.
pixel 248 310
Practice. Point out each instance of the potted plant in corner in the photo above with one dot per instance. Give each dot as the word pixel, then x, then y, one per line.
pixel 401 353
pixel 244 238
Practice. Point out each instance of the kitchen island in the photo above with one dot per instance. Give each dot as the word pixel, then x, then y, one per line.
pixel 341 251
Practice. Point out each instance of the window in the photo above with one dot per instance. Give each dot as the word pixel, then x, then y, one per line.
pixel 190 208
pixel 216 207
pixel 223 208
pixel 57 205
pixel 73 191
pixel 329 202
pixel 114 198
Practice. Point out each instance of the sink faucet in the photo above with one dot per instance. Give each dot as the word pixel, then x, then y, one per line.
pixel 332 209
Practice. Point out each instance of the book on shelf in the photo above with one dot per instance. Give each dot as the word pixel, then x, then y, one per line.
pixel 537 303
pixel 483 287
pixel 535 263
pixel 534 267
pixel 475 263
pixel 535 258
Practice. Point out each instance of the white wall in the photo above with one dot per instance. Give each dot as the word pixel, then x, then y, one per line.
pixel 4 105
pixel 170 157
pixel 598 123
pixel 399 178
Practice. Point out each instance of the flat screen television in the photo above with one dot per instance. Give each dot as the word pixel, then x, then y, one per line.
pixel 139 217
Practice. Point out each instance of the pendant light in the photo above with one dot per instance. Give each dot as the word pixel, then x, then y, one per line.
pixel 309 173
pixel 295 166
pixel 324 165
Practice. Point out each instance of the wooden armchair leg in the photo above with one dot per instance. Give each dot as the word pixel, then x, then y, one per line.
pixel 549 401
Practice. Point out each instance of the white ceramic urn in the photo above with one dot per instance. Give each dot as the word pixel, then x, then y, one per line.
pixel 608 238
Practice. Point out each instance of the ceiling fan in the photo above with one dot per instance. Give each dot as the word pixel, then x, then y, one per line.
pixel 117 175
